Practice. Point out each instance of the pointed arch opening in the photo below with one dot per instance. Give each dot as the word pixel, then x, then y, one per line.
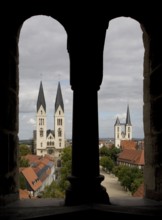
pixel 121 104
pixel 43 68
pixel 9 110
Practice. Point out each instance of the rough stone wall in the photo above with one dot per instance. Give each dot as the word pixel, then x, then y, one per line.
pixel 9 86
pixel 153 112
pixel 9 121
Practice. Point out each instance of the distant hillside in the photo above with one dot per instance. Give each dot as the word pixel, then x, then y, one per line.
pixel 27 141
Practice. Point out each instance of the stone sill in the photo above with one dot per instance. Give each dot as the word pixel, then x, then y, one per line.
pixel 49 208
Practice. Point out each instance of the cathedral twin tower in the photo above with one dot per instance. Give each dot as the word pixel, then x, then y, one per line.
pixel 49 142
pixel 120 133
pixel 52 142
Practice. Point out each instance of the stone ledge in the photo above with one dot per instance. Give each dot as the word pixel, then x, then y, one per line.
pixel 48 208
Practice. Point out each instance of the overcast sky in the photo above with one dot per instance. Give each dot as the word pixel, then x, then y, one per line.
pixel 43 57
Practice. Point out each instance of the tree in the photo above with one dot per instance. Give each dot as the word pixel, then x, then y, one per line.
pixel 104 151
pixel 66 161
pixel 107 163
pixel 66 155
pixel 129 177
pixel 136 183
pixel 57 188
pixel 24 150
pixel 22 181
pixel 116 170
pixel 114 151
pixel 52 191
pixel 23 162
pixel 110 152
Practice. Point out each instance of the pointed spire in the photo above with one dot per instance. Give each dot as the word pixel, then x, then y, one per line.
pixel 117 121
pixel 128 120
pixel 59 99
pixel 41 99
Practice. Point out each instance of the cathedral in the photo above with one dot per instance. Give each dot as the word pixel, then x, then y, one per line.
pixel 49 142
pixel 122 131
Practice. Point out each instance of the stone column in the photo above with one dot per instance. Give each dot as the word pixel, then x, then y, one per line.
pixel 9 119
pixel 86 60
pixel 152 111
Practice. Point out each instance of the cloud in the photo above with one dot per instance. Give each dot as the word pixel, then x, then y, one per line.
pixel 43 56
pixel 121 116
pixel 31 121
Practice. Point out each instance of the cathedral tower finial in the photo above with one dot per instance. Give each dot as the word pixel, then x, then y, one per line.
pixel 41 99
pixel 128 120
pixel 59 99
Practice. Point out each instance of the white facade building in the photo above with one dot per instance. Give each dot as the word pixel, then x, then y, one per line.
pixel 122 131
pixel 49 141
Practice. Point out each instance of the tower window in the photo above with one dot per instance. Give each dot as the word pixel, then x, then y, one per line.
pixel 41 132
pixel 41 121
pixel 59 132
pixel 59 121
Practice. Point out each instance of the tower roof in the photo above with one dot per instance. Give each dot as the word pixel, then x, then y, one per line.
pixel 128 120
pixel 59 99
pixel 41 99
pixel 117 121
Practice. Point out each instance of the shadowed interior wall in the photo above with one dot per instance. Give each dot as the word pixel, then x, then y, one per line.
pixel 85 46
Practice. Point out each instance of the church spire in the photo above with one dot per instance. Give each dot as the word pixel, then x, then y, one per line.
pixel 59 99
pixel 117 121
pixel 128 120
pixel 41 99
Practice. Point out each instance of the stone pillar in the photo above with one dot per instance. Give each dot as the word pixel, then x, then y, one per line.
pixel 86 60
pixel 9 120
pixel 152 112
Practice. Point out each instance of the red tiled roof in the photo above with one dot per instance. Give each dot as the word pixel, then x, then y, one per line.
pixel 32 158
pixel 140 191
pixel 45 161
pixel 128 144
pixel 130 156
pixel 20 169
pixel 41 165
pixel 46 172
pixel 48 157
pixel 36 169
pixel 23 194
pixel 32 178
pixel 141 159
pixel 45 175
